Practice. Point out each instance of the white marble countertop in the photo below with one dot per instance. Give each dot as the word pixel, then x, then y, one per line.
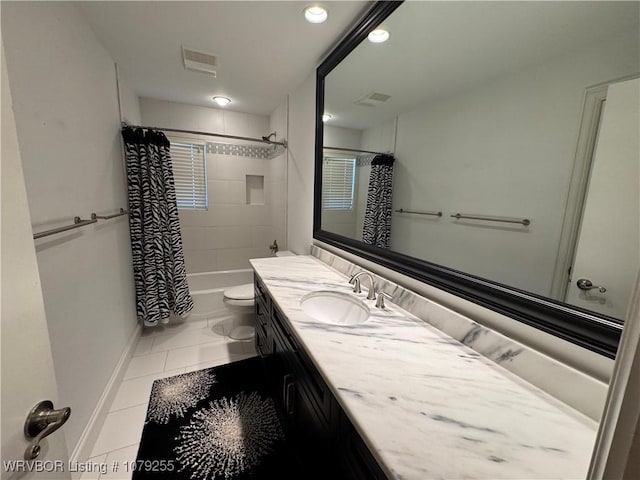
pixel 426 405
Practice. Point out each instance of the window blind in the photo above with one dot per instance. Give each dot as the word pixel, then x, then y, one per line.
pixel 190 175
pixel 338 179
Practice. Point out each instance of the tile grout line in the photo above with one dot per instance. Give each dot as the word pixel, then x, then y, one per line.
pixel 119 448
pixel 153 342
pixel 130 406
pixel 176 368
pixel 166 357
pixel 145 375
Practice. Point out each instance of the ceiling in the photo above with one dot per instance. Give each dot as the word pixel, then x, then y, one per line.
pixel 439 48
pixel 265 49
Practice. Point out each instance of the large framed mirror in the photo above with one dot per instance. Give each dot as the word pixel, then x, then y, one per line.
pixel 490 149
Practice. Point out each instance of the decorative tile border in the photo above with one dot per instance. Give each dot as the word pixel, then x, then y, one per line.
pixel 251 151
pixel 364 160
pixel 582 392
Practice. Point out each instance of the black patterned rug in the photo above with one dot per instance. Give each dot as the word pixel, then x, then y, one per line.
pixel 217 423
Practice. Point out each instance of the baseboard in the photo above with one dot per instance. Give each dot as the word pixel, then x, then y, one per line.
pixel 90 433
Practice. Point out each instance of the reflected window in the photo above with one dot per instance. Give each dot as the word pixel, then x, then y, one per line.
pixel 338 180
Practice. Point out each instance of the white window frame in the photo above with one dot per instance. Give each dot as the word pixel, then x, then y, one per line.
pixel 342 193
pixel 196 177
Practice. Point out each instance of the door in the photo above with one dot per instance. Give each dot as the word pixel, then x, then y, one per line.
pixel 26 363
pixel 608 249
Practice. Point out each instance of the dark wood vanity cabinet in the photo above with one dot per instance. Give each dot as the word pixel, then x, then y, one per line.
pixel 326 442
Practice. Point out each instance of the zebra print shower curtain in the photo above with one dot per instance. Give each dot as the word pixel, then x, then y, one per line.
pixel 377 216
pixel 156 245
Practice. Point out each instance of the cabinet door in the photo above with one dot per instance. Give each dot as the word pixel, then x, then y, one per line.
pixel 264 345
pixel 284 381
pixel 260 291
pixel 326 443
pixel 356 461
pixel 308 378
pixel 316 440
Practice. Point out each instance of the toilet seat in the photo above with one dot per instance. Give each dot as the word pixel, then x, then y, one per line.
pixel 240 295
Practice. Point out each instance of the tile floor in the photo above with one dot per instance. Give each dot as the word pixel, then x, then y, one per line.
pixel 161 352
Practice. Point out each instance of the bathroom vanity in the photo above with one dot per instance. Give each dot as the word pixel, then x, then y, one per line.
pixel 328 445
pixel 394 397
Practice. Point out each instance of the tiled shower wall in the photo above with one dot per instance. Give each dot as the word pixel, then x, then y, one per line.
pixel 229 232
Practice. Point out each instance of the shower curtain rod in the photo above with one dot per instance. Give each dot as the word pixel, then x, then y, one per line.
pixel 209 134
pixel 354 150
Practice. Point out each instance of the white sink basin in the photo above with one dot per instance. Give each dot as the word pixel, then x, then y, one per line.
pixel 334 308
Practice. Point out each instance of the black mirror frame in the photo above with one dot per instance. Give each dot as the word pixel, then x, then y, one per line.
pixel 598 333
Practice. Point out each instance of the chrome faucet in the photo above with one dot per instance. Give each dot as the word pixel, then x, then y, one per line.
pixel 274 248
pixel 380 300
pixel 355 281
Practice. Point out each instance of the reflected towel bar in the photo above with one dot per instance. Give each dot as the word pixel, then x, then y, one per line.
pixel 435 214
pixel 77 223
pixel 522 221
pixel 107 217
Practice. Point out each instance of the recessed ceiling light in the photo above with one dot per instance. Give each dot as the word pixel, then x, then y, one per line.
pixel 315 14
pixel 326 116
pixel 222 101
pixel 379 35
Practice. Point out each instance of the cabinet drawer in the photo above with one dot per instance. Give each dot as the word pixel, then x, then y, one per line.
pixel 262 319
pixel 262 344
pixel 263 302
pixel 260 291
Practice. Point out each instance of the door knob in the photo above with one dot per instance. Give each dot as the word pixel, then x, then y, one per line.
pixel 41 422
pixel 585 284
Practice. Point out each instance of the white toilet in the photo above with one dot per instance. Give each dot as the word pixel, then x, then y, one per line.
pixel 240 300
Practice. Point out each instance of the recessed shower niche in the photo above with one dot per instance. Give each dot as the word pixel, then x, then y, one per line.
pixel 255 189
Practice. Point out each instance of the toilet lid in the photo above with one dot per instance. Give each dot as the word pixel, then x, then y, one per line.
pixel 240 292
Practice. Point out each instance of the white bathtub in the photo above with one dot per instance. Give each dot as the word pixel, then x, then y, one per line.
pixel 207 291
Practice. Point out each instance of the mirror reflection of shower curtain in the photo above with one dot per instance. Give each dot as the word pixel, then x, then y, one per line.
pixel 377 216
pixel 156 244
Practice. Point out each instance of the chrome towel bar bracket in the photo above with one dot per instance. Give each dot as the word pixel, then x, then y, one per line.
pixel 95 216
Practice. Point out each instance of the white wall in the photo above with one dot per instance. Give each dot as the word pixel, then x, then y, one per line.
pixel 277 189
pixel 505 148
pixel 66 109
pixel 300 166
pixel 229 232
pixel 342 222
pixel 129 101
pixel 341 137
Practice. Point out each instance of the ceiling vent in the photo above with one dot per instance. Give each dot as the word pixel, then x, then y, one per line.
pixel 199 61
pixel 373 99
